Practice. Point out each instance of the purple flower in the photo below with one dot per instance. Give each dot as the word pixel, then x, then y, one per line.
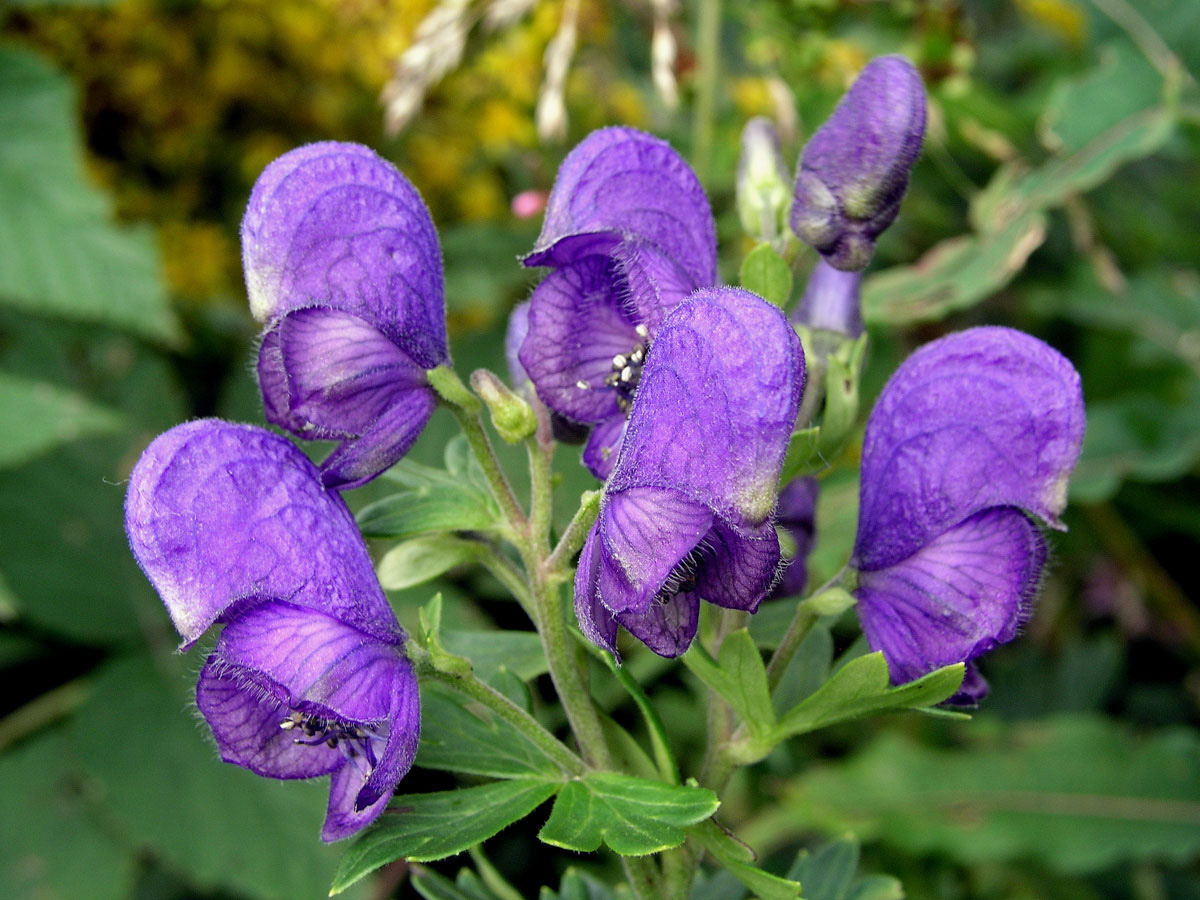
pixel 343 267
pixel 854 169
pixel 630 235
pixel 309 677
pixel 974 434
pixel 831 301
pixel 796 514
pixel 687 512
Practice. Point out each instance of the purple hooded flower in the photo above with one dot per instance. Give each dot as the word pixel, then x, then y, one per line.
pixel 309 676
pixel 974 434
pixel 832 301
pixel 629 234
pixel 343 267
pixel 854 169
pixel 687 512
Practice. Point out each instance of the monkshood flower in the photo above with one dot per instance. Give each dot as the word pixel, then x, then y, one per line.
pixel 309 677
pixel 344 269
pixel 854 169
pixel 630 235
pixel 687 513
pixel 973 435
pixel 831 301
pixel 796 514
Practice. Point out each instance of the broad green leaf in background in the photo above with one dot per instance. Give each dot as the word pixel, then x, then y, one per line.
pixel 633 816
pixel 765 273
pixel 1078 792
pixel 35 416
pixel 830 872
pixel 60 254
pixel 57 851
pixel 433 500
pixel 861 688
pixel 518 652
pixel 433 826
pixel 163 786
pixel 457 739
pixel 422 559
pixel 1008 215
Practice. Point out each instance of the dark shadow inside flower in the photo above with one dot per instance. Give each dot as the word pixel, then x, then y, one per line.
pixel 959 596
pixel 654 555
pixel 290 692
pixel 330 375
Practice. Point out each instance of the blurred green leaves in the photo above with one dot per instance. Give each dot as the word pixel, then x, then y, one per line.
pixel 59 252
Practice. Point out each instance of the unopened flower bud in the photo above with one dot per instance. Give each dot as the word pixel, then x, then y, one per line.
pixel 512 417
pixel 831 301
pixel 854 170
pixel 762 181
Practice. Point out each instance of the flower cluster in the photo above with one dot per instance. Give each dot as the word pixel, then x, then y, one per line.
pixel 691 392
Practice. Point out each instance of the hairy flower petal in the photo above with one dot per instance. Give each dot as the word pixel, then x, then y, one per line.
pixel 619 182
pixel 957 597
pixel 221 515
pixel 984 417
pixel 336 225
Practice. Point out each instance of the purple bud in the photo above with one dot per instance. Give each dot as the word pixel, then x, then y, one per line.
pixel 687 511
pixel 973 436
pixel 831 301
pixel 343 268
pixel 854 170
pixel 309 677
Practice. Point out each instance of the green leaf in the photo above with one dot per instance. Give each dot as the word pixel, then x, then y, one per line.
pixel 471 740
pixel 164 787
pixel 831 873
pixel 633 816
pixel 422 559
pixel 827 872
pixel 740 677
pixel 428 509
pixel 432 886
pixel 35 416
pixel 59 851
pixel 765 273
pixel 576 885
pixel 1079 793
pixel 518 652
pixel 60 254
pixel 803 455
pixel 955 274
pixel 861 688
pixel 737 857
pixel 807 670
pixel 425 827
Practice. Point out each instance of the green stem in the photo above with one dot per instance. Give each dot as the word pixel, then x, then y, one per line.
pixel 802 622
pixel 481 446
pixel 506 572
pixel 708 52
pixel 573 538
pixel 541 469
pixel 44 709
pixel 471 686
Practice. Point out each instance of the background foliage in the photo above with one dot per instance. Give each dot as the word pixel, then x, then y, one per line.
pixel 1059 192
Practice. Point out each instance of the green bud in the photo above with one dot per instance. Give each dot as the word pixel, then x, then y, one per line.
pixel 764 190
pixel 512 417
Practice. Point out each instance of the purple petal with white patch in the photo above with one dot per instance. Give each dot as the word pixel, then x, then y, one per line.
pixel 686 512
pixel 343 267
pixel 974 434
pixel 309 677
